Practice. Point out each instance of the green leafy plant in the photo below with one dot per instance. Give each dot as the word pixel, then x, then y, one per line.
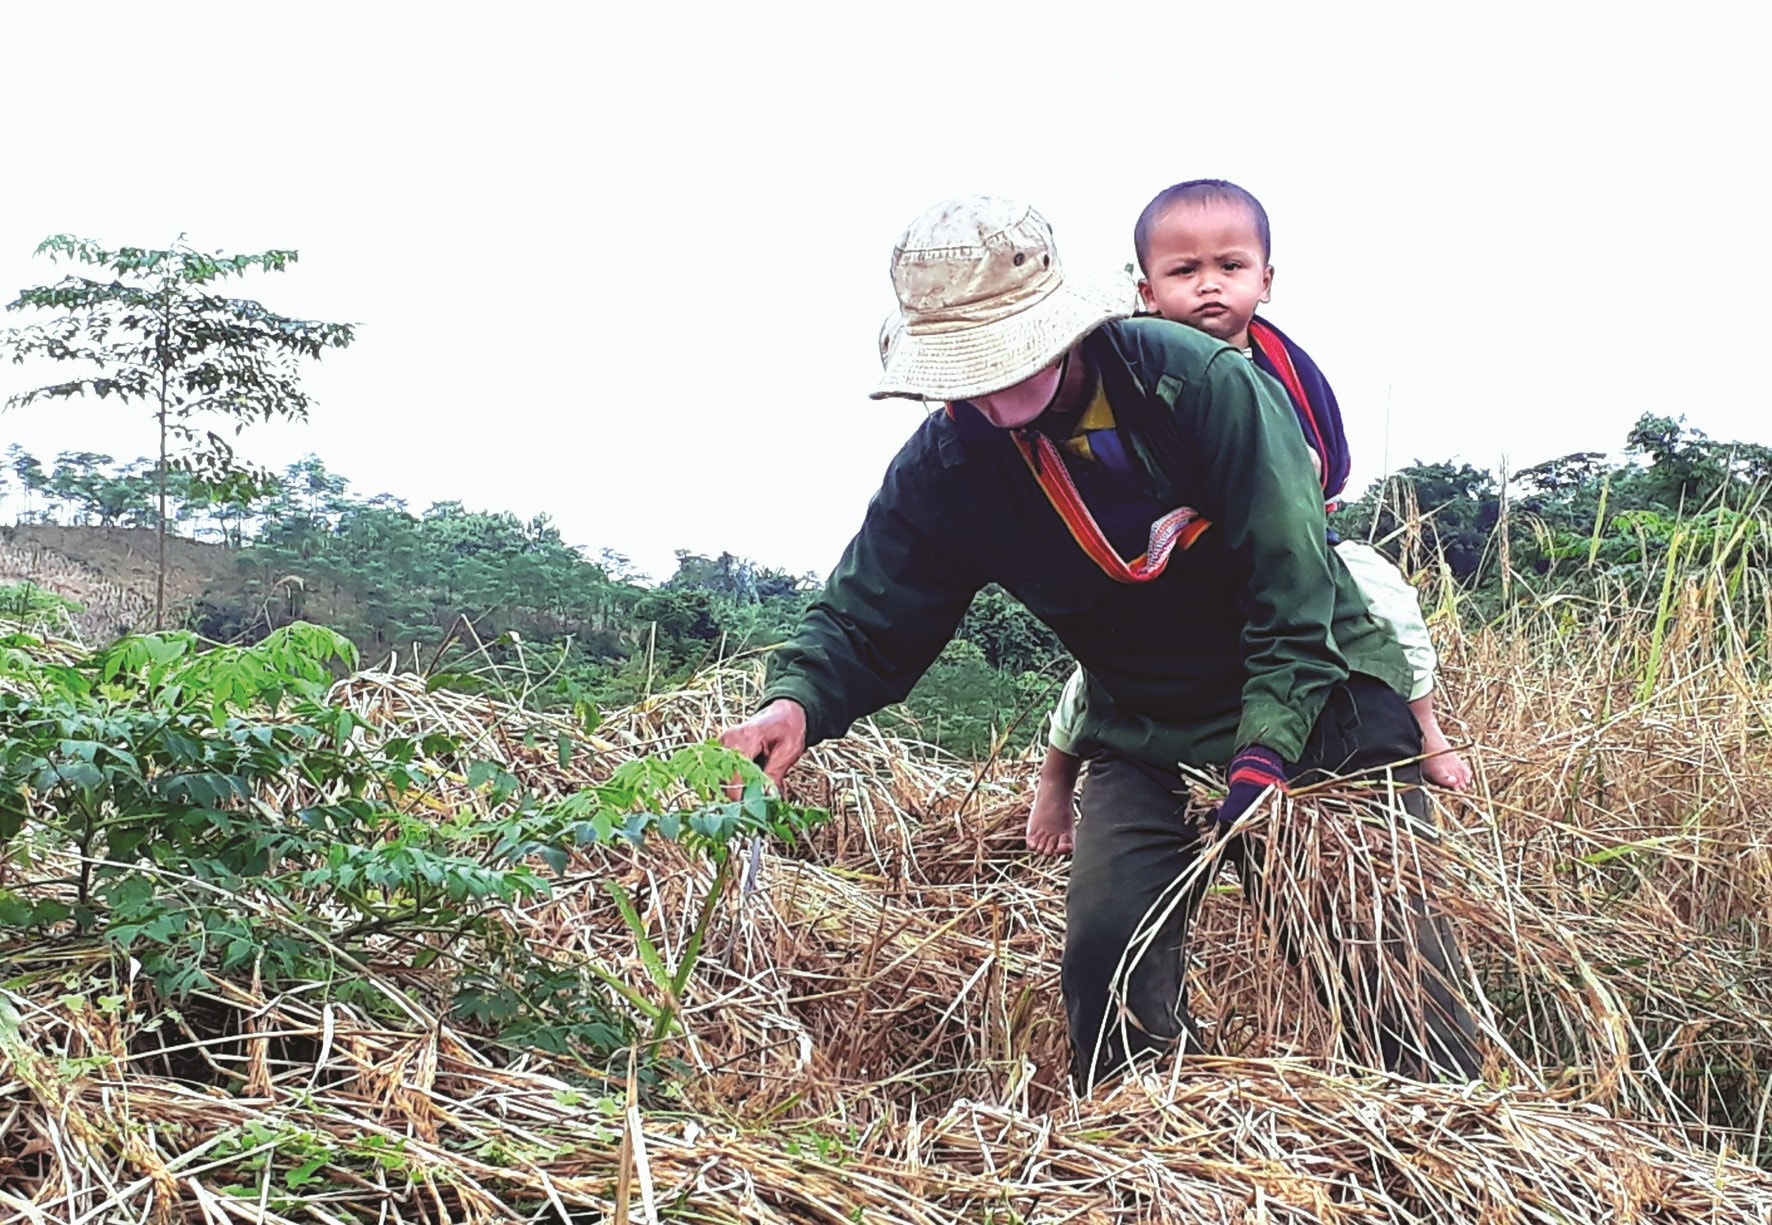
pixel 30 604
pixel 221 816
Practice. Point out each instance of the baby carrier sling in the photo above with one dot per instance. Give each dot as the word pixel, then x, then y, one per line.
pixel 1097 440
pixel 1313 400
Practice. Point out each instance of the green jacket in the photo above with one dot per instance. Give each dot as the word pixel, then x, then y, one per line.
pixel 1237 643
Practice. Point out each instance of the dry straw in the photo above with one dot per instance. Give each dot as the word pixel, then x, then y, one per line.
pixel 874 1030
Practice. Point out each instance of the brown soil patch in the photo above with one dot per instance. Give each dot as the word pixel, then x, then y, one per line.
pixel 109 572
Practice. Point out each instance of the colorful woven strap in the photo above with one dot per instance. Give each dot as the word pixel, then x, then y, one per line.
pixel 1274 349
pixel 1179 528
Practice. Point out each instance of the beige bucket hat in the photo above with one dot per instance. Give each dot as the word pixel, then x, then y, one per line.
pixel 985 301
pixel 891 332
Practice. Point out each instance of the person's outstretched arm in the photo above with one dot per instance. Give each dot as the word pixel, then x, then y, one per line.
pixel 887 610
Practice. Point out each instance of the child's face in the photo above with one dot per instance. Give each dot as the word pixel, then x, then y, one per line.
pixel 1206 268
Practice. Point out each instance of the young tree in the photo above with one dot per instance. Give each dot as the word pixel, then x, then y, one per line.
pixel 230 500
pixel 29 472
pixel 309 490
pixel 79 481
pixel 153 328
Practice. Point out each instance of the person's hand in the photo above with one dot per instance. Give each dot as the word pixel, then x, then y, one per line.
pixel 1252 772
pixel 774 737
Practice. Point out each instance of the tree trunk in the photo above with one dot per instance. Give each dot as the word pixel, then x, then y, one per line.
pixel 160 527
pixel 1501 531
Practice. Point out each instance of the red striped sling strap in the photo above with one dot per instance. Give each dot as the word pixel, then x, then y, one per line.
pixel 1179 528
pixel 1273 348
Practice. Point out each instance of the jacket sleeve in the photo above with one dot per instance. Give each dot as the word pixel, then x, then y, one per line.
pixel 1264 498
pixel 888 609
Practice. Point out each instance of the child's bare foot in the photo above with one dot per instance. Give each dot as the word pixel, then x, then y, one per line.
pixel 1052 822
pixel 1447 770
pixel 1439 765
pixel 1443 767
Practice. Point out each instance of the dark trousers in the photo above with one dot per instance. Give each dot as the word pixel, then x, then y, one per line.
pixel 1127 912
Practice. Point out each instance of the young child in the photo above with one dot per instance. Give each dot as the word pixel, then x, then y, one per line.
pixel 1203 249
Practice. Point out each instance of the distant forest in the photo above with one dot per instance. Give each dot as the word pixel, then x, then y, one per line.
pixel 493 596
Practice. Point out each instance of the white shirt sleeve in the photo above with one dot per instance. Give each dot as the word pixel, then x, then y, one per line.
pixel 1396 606
pixel 1066 715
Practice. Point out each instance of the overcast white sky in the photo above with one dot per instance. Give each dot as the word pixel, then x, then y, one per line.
pixel 625 264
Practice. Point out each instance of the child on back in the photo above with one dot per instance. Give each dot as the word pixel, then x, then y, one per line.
pixel 1203 250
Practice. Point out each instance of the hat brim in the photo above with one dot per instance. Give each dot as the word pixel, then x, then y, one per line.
pixel 976 361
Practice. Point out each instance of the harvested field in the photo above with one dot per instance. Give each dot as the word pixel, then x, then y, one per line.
pixel 100 609
pixel 873 1031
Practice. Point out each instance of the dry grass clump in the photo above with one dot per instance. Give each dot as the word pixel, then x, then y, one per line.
pixel 873 1030
pixel 1625 790
pixel 418 1125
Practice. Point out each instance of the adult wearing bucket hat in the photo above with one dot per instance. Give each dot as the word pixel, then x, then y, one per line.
pixel 992 312
pixel 1148 495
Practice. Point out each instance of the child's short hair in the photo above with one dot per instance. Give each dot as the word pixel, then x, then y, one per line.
pixel 1197 191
